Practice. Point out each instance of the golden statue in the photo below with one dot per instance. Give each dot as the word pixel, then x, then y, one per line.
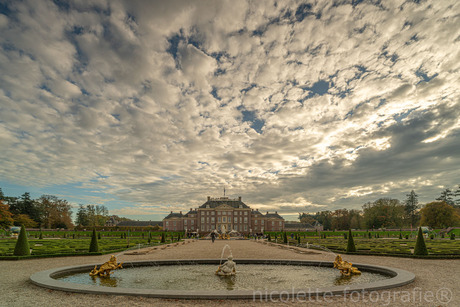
pixel 345 267
pixel 106 268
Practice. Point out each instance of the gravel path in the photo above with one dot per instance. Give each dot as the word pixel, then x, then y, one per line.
pixel 437 281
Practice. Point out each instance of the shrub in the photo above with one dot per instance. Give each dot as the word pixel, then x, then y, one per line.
pixel 285 240
pixel 94 246
pixel 400 236
pixel 163 239
pixel 351 244
pixel 41 235
pixel 452 236
pixel 420 247
pixel 22 244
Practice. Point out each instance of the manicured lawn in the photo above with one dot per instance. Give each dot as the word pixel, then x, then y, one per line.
pixel 387 243
pixel 74 243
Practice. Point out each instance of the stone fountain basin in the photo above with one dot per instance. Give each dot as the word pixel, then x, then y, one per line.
pixel 47 279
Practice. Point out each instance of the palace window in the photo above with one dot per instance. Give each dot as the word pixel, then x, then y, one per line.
pixel 245 219
pixel 167 223
pixel 185 222
pixel 245 213
pixel 202 219
pixel 280 223
pixel 174 223
pixel 218 219
pixel 235 220
pixel 224 219
pixel 224 212
pixel 212 212
pixel 192 222
pixel 255 222
pixel 213 220
pixel 245 227
pixel 273 223
pixel 262 222
pixel 207 219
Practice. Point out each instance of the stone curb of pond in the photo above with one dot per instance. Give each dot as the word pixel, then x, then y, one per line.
pixel 398 278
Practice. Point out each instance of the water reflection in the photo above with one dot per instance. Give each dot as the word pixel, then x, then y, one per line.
pixel 228 281
pixel 344 280
pixel 105 281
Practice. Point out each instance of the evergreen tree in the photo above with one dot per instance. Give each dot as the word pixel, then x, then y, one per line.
pixel 446 196
pixel 163 239
pixel 457 195
pixel 285 240
pixel 420 247
pixel 351 243
pixel 452 236
pixel 411 206
pixel 94 245
pixel 22 245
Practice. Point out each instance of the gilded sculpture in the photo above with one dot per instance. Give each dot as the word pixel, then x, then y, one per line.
pixel 106 268
pixel 345 267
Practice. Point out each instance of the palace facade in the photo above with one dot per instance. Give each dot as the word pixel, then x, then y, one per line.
pixel 223 214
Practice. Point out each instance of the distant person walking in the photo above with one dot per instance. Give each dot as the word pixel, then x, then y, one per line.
pixel 213 236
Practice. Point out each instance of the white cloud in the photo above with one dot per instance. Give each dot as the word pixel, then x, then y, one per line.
pixel 151 95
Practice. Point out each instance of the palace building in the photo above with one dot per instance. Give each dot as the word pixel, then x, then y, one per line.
pixel 223 214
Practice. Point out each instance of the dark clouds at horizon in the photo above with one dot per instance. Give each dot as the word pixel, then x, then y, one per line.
pixel 297 106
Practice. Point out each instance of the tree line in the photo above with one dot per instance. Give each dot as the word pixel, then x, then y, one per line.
pixel 393 214
pixel 48 211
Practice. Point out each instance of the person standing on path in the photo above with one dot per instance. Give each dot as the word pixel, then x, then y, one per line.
pixel 213 236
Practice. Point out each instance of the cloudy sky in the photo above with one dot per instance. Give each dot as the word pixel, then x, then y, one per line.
pixel 150 106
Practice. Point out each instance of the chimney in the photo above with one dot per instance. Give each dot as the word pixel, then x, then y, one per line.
pixel 209 198
pixel 276 212
pixel 257 209
pixel 239 198
pixel 180 212
pixel 190 209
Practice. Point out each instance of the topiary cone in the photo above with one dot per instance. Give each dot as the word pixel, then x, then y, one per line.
pixel 22 245
pixel 94 246
pixel 351 248
pixel 420 247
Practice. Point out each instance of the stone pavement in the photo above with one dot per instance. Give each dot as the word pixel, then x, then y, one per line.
pixel 436 281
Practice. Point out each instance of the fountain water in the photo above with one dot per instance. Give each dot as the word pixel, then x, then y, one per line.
pixel 223 251
pixel 308 246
